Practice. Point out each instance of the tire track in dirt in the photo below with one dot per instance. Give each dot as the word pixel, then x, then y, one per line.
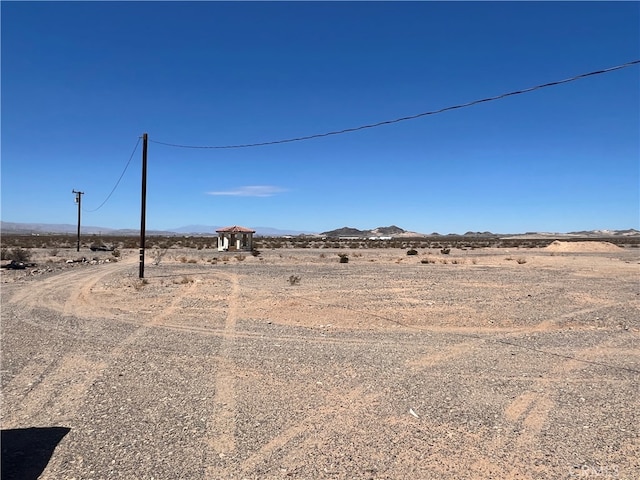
pixel 62 384
pixel 63 380
pixel 528 413
pixel 333 416
pixel 222 425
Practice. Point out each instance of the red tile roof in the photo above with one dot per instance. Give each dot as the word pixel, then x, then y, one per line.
pixel 235 229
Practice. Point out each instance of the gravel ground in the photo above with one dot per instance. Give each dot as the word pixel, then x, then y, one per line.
pixel 381 368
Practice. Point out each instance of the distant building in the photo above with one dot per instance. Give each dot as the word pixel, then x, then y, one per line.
pixel 235 238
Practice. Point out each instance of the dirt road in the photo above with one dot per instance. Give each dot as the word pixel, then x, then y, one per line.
pixel 382 368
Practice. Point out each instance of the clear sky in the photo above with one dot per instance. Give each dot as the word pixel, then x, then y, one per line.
pixel 82 81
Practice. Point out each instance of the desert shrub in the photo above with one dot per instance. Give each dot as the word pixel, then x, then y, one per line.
pixel 115 253
pixel 445 251
pixel 183 259
pixel 457 261
pixel 159 252
pixel 19 255
pixel 240 258
pixel 4 253
pixel 521 261
pixel 294 280
pixel 344 258
pixel 255 252
pixel 137 285
pixel 413 251
pixel 54 252
pixel 183 281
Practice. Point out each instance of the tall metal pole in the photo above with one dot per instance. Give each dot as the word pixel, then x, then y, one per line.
pixel 143 209
pixel 79 202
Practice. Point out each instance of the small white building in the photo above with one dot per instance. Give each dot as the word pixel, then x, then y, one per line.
pixel 235 238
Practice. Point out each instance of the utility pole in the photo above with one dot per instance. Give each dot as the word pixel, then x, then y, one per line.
pixel 79 202
pixel 143 209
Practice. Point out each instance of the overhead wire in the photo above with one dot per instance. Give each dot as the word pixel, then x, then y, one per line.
pixel 118 182
pixel 409 117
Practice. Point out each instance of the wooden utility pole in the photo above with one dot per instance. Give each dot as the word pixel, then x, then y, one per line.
pixel 143 209
pixel 79 202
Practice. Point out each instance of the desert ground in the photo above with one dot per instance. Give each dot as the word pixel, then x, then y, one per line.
pixel 486 363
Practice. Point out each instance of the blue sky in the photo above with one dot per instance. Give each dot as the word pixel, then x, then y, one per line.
pixel 81 82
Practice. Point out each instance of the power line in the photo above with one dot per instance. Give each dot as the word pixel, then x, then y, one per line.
pixel 118 182
pixel 410 117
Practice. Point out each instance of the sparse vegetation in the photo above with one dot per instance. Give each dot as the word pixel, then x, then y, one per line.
pixel 140 283
pixel 344 258
pixel 18 255
pixel 159 253
pixel 413 251
pixel 443 243
pixel 521 260
pixel 184 280
pixel 294 280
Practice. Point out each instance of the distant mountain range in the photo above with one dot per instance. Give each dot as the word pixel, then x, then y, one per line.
pixel 60 228
pixel 391 231
pixel 394 231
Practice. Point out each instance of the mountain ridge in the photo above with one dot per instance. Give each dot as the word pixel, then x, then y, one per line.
pixel 390 231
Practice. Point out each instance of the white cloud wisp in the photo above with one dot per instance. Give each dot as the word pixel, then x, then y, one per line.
pixel 251 191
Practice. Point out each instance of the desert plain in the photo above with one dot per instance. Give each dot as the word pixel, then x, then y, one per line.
pixel 486 363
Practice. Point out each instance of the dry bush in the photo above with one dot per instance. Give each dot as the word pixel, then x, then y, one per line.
pixel 159 253
pixel 294 280
pixel 183 281
pixel 521 260
pixel 18 254
pixel 240 257
pixel 138 284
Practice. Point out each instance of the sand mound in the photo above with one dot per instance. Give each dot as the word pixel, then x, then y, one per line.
pixel 558 246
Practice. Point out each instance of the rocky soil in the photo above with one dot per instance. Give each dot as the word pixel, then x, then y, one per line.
pixel 479 364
